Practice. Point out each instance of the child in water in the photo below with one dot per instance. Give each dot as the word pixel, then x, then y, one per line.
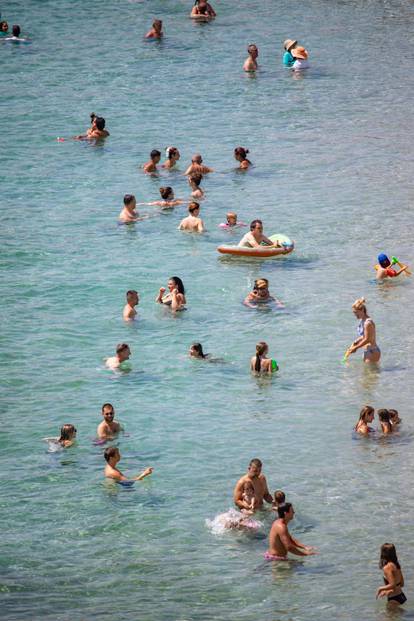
pixel 156 30
pixel 231 221
pixel 279 499
pixel 394 418
pixel 249 498
pixel 385 268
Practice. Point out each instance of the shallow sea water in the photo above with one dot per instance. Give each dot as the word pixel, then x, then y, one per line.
pixel 333 170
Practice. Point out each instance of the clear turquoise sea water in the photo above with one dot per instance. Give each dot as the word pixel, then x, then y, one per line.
pixel 334 170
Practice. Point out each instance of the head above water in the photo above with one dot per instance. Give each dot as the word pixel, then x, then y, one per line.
pixel 367 414
pixel 196 351
pixel 299 52
pixel 197 159
pixel 383 260
pixel 261 284
pixel 112 454
pixel 286 511
pixel 132 297
pixel 122 351
pixel 253 50
pixel 67 432
pixel 100 123
pixel 279 497
pixel 231 217
pixel 255 468
pixel 388 555
pixel 16 30
pixel 157 25
pixel 384 416
pixel 108 410
pixel 358 307
pixel 4 26
pixel 240 153
pixel 193 207
pixel 155 155
pixel 129 199
pixel 177 283
pixel 167 192
pixel 172 153
pixel 289 44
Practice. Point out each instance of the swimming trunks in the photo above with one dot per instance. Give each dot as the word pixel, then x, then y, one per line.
pixel 274 557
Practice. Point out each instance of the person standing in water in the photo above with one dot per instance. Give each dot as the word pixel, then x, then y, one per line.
pixel 112 457
pixel 385 421
pixel 194 181
pixel 129 313
pixel 366 416
pixel 122 354
pixel 156 30
pixel 366 332
pixel 288 45
pixel 260 363
pixel 250 64
pixel 128 215
pixel 240 154
pixel 197 166
pixel 173 155
pixel 150 167
pixel 175 298
pixel 192 223
pixel 281 541
pixel 258 480
pixel 109 427
pixel 393 576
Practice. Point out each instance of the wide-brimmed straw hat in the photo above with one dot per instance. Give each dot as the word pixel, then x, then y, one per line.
pixel 288 44
pixel 299 52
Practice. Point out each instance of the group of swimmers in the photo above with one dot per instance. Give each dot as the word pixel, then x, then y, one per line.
pixel 251 490
pixel 14 35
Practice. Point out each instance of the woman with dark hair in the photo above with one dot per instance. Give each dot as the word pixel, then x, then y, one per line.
pixel 173 155
pixel 240 154
pixel 66 439
pixel 385 421
pixel 175 298
pixel 168 200
pixel 196 351
pixel 4 28
pixel 260 363
pixel 366 416
pixel 202 11
pixel 393 577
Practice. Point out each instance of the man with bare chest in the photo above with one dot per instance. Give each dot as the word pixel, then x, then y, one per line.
pixel 258 480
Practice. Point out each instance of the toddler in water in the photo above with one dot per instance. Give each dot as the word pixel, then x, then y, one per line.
pixel 279 499
pixel 249 498
pixel 231 221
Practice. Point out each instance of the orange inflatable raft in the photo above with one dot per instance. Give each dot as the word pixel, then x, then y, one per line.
pixel 262 252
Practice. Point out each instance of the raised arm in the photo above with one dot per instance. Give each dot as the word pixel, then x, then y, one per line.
pixel 144 474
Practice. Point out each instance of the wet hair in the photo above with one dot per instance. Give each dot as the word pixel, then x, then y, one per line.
pixel 283 509
pixel 253 224
pixel 248 483
pixel 366 411
pixel 231 214
pixel 199 349
pixel 241 151
pixel 255 462
pixel 197 158
pixel 280 497
pixel 359 304
pixel 251 46
pixel 393 414
pixel 196 178
pixel 16 30
pixel 110 452
pixel 261 347
pixel 66 433
pixel 388 555
pixel 384 417
pixel 100 123
pixel 93 116
pixel 179 283
pixel 166 192
pixel 128 198
pixel 131 292
pixel 202 7
pixel 107 405
pixel 155 153
pixel 120 347
pixel 193 206
pixel 3 23
pixel 157 22
pixel 172 151
pixel 261 281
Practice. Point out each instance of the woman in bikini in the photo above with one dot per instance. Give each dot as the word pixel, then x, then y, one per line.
pixel 366 416
pixel 175 298
pixel 393 577
pixel 260 363
pixel 366 334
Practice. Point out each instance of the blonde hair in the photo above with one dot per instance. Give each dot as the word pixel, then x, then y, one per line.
pixel 359 304
pixel 260 282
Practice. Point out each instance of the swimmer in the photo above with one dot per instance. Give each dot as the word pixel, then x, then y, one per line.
pixel 281 541
pixel 196 351
pixel 109 427
pixel 240 155
pixel 279 499
pixel 255 238
pixel 231 221
pixel 175 298
pixel 258 480
pixel 129 313
pixel 4 28
pixel 16 35
pixel 301 58
pixel 156 30
pixel 194 181
pixel 385 421
pixel 288 46
pixel 394 418
pixel 197 166
pixel 112 457
pixel 385 269
pixel 366 416
pixel 248 498
pixel 192 223
pixel 168 202
pixel 202 11
pixel 67 436
pixel 393 576
pixel 260 294
pixel 122 354
pixel 233 520
pixel 97 131
pixel 173 155
pixel 250 64
pixel 260 363
pixel 366 332
pixel 128 214
pixel 150 167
